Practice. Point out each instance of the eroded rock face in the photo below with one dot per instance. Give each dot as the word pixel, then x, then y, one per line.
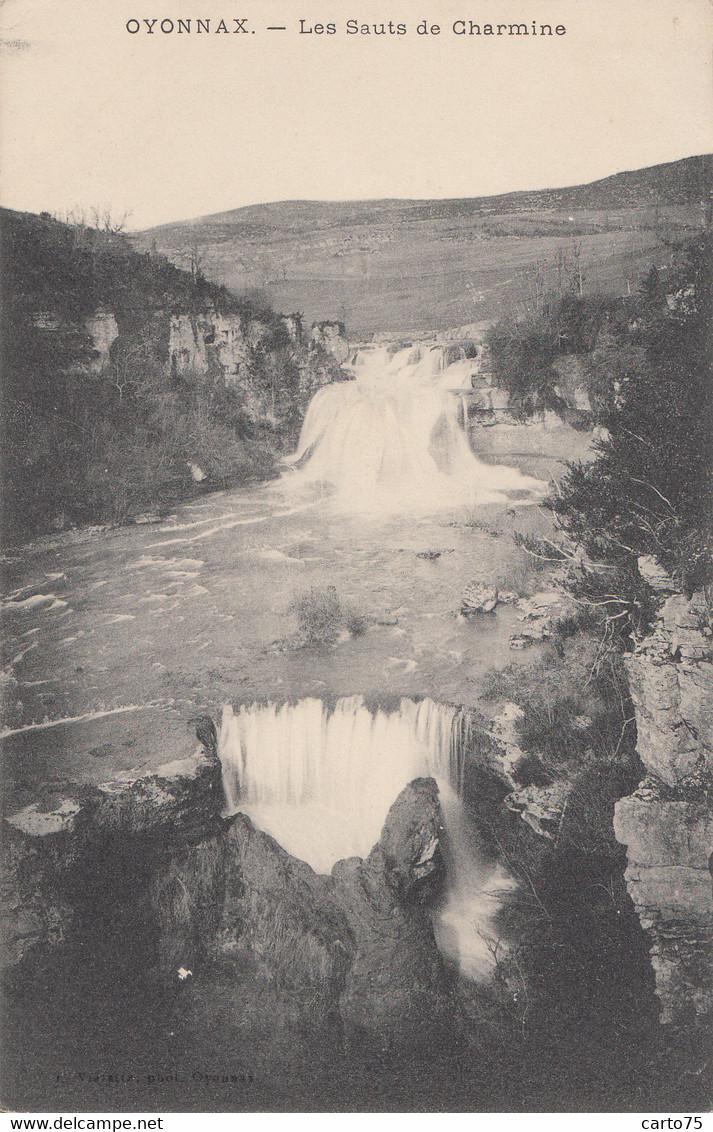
pixel 671 681
pixel 538 617
pixel 655 575
pixel 358 943
pixel 395 988
pixel 541 807
pixel 34 913
pixel 668 840
pixel 408 851
pixel 182 799
pixel 51 845
pixel 667 824
pixel 187 344
pixel 331 337
pixel 239 898
pixel 103 331
pixel 225 902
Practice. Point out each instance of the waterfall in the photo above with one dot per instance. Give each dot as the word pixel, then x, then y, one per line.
pixel 393 438
pixel 321 781
pixel 340 769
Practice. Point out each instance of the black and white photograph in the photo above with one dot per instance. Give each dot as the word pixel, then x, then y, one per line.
pixel 357 558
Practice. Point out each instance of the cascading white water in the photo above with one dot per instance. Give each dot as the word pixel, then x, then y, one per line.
pixel 393 438
pixel 321 782
pixel 340 770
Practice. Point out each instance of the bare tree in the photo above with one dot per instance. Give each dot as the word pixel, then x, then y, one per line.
pixel 578 276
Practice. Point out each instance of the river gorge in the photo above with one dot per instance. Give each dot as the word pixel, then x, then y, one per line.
pixel 262 806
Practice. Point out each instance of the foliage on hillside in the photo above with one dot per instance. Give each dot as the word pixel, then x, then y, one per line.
pixel 72 269
pixel 646 362
pixel 575 704
pixel 524 349
pixel 650 492
pixel 82 448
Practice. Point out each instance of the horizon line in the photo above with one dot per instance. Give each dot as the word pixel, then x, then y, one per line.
pixel 415 200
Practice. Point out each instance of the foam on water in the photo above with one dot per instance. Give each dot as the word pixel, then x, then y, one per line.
pixel 393 439
pixel 321 781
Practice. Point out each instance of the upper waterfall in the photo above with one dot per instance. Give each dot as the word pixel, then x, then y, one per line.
pixel 394 439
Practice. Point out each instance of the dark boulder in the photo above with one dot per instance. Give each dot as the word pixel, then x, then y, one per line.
pixel 396 990
pixel 359 943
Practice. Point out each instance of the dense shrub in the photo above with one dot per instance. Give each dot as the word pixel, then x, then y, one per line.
pixel 319 615
pixel 522 354
pixel 322 616
pixel 587 824
pixel 576 707
pixel 523 350
pixel 650 492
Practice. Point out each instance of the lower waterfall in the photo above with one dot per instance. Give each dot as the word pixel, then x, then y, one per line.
pixel 321 782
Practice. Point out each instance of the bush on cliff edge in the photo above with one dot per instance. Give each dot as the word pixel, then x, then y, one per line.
pixel 650 492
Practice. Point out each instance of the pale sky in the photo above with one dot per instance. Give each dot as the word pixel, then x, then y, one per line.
pixel 168 127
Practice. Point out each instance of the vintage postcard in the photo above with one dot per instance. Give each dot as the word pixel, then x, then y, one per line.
pixel 357 557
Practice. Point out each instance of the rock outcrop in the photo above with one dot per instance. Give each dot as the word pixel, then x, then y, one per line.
pixel 671 679
pixel 222 899
pixel 540 806
pixel 103 331
pixel 187 345
pixel 478 597
pixel 395 988
pixel 488 400
pixel 668 837
pixel 359 942
pixel 239 898
pixel 52 848
pixel 538 617
pixel 667 824
pixel 200 344
pixel 332 338
pixel 357 945
pixel 572 382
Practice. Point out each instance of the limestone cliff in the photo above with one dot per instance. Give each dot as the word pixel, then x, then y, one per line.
pixel 219 343
pixel 395 987
pixel 667 824
pixel 170 372
pixel 332 338
pixel 102 330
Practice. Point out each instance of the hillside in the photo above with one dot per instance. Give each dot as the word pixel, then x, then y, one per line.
pixel 423 265
pixel 129 384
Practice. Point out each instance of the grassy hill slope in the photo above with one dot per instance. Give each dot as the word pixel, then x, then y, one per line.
pixel 422 265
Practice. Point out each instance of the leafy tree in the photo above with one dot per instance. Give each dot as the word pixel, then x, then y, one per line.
pixel 523 350
pixel 523 353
